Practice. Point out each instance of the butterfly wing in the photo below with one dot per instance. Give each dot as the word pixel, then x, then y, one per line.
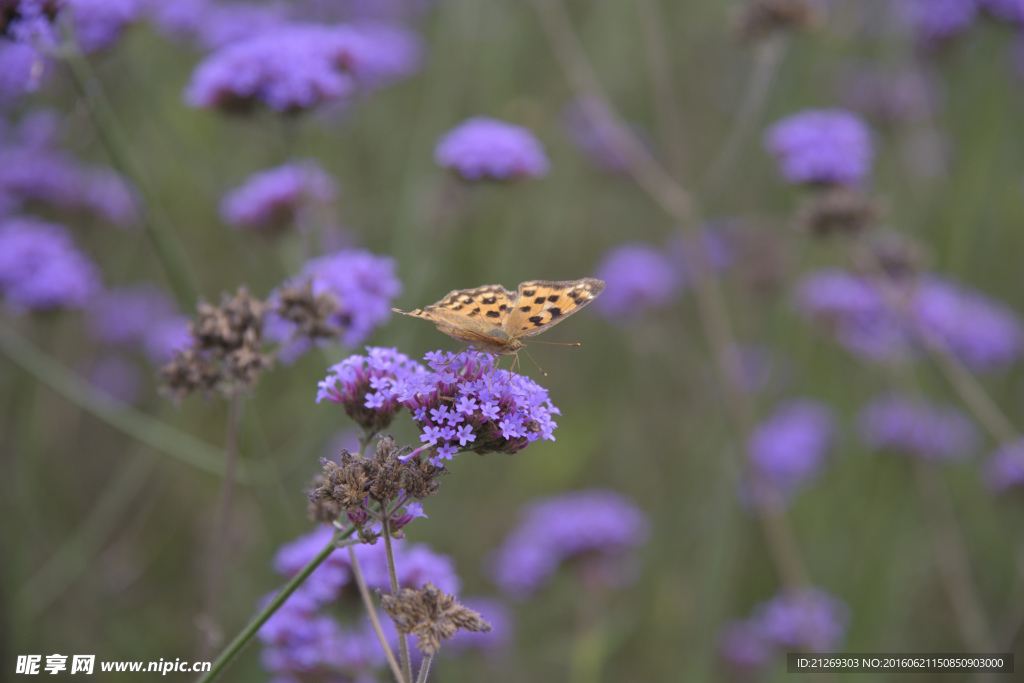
pixel 473 316
pixel 539 304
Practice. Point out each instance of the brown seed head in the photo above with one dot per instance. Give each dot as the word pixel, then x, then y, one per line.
pixel 431 615
pixel 838 210
pixel 760 19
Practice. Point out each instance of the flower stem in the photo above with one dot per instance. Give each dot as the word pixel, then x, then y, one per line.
pixel 340 539
pixel 161 233
pixel 403 641
pixel 425 669
pixel 371 611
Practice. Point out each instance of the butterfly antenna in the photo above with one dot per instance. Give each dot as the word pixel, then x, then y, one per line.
pixel 536 363
pixel 534 341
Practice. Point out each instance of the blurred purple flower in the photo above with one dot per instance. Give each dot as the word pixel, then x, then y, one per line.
pixel 882 325
pixel 482 147
pixel 344 440
pixel 116 377
pixel 787 451
pixel 935 21
pixel 639 277
pixel 165 336
pixel 363 286
pixel 921 429
pixel 212 25
pixel 602 527
pixel 361 385
pixel 274 197
pixel 1005 468
pixel 464 404
pixel 805 619
pixel 99 24
pixel 743 646
pixel 822 146
pixel 384 54
pixel 124 316
pixel 108 195
pixel 41 269
pixel 299 638
pixel 22 70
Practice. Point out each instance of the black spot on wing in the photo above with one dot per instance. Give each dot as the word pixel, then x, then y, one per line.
pixel 489 300
pixel 539 300
pixel 524 309
pixel 503 307
pixel 529 292
pixel 555 311
pixel 458 308
pixel 536 320
pixel 553 298
pixel 493 314
pixel 474 311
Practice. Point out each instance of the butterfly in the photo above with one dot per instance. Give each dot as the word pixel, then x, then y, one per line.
pixel 495 320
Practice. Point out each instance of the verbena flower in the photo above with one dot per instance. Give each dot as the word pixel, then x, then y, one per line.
pixel 33 170
pixel 805 618
pixel 273 198
pixel 485 148
pixel 123 316
pixel 40 267
pixel 362 287
pixel 918 428
pixel 935 21
pixel 99 24
pixel 639 278
pixel 602 528
pixel 787 451
pixel 303 636
pixel 166 336
pixel 22 70
pixel 297 67
pixel 211 25
pixel 829 146
pixel 1004 470
pixel 464 404
pixel 885 320
pixel 361 385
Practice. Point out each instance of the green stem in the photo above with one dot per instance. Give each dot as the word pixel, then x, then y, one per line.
pixel 425 669
pixel 371 612
pixel 158 227
pixel 403 641
pixel 340 539
pixel 142 427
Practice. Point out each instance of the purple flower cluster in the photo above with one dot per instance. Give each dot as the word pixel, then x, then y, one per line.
pixel 639 278
pixel 484 148
pixel 362 285
pixel 301 637
pixel 211 25
pixel 918 428
pixel 796 619
pixel 787 451
pixel 299 66
pixel 32 170
pixel 462 403
pixel 935 21
pixel 361 385
pixel 141 317
pixel 883 321
pixel 1004 470
pixel 41 269
pixel 830 146
pixel 602 528
pixel 99 24
pixel 273 198
pixel 22 70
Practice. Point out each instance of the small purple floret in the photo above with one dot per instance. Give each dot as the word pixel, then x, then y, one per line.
pixel 830 146
pixel 484 148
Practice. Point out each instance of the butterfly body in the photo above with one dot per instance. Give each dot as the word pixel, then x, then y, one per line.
pixel 495 320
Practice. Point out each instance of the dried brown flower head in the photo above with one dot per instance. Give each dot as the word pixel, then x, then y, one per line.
pixel 345 486
pixel 308 312
pixel 759 19
pixel 890 254
pixel 225 353
pixel 431 615
pixel 838 210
